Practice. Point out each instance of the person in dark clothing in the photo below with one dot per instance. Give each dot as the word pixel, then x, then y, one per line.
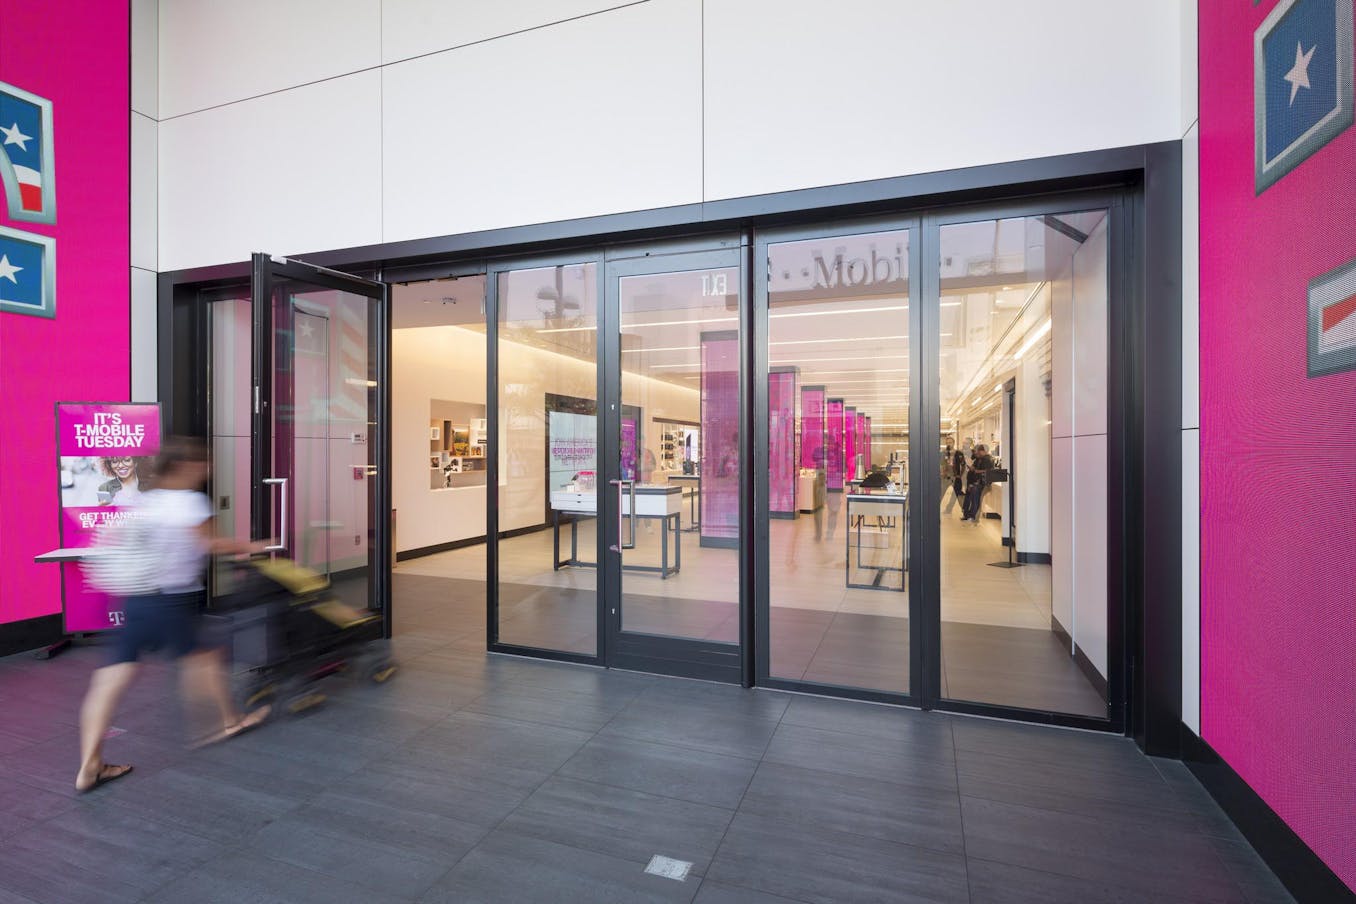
pixel 980 466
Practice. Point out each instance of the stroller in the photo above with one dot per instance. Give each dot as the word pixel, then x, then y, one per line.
pixel 289 632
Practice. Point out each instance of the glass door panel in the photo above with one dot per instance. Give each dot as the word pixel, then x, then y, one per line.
pixel 676 481
pixel 838 353
pixel 548 465
pixel 318 435
pixel 1023 524
pixel 230 407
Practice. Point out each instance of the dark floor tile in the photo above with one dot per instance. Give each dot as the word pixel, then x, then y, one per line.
pixel 708 696
pixel 1003 883
pixel 24 874
pixel 879 759
pixel 19 801
pixel 52 765
pixel 874 720
pixel 1106 849
pixel 686 724
pixel 438 794
pixel 9 743
pixel 721 893
pixel 503 742
pixel 1063 787
pixel 808 863
pixel 1193 796
pixel 528 702
pixel 116 843
pixel 620 822
pixel 369 841
pixel 10 897
pixel 510 867
pixel 201 806
pixel 682 773
pixel 243 876
pixel 860 806
pixel 1250 872
pixel 1079 751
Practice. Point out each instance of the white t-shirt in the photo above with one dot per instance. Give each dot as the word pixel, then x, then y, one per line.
pixel 172 519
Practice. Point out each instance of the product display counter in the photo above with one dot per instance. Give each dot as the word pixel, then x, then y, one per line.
pixel 877 529
pixel 691 486
pixel 662 502
pixel 810 491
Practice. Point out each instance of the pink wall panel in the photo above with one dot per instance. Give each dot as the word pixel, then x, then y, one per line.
pixel 75 54
pixel 1278 470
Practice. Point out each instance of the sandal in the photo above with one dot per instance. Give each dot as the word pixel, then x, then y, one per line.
pixel 108 772
pixel 247 723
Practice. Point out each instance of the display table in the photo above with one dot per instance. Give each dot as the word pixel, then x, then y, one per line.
pixel 810 491
pixel 691 485
pixel 74 554
pixel 663 503
pixel 883 516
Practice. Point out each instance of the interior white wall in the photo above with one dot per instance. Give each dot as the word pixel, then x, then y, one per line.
pixel 215 53
pixel 146 58
pixel 448 362
pixel 412 28
pixel 144 252
pixel 1062 532
pixel 588 117
pixel 290 172
pixel 799 93
pixel 144 191
pixel 1033 459
pixel 427 363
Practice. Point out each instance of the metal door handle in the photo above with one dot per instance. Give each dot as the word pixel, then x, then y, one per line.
pixel 621 493
pixel 282 521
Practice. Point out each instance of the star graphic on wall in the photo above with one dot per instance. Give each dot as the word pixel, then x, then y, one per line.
pixel 306 330
pixel 7 270
pixel 14 136
pixel 1298 76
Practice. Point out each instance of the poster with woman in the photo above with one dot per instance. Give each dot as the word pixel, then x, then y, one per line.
pixel 105 453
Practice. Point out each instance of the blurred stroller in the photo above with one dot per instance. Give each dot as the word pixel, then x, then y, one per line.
pixel 289 632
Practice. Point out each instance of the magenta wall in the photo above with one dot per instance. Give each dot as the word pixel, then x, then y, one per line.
pixel 75 54
pixel 1278 461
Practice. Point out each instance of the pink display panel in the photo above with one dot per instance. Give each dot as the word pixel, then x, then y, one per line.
pixel 833 445
pixel 849 443
pixel 865 423
pixel 781 440
pixel 1278 412
pixel 72 57
pixel 105 453
pixel 812 427
pixel 719 498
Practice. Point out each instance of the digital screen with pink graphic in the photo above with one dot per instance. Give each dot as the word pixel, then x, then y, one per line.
pixel 65 265
pixel 1278 409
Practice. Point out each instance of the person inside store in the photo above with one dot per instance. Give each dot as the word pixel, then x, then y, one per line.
pixel 126 473
pixel 648 463
pixel 953 475
pixel 174 521
pixel 980 465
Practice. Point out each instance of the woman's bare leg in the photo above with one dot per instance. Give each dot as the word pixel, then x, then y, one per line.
pixel 106 687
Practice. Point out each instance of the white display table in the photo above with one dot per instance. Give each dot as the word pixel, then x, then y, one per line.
pixel 883 515
pixel 663 502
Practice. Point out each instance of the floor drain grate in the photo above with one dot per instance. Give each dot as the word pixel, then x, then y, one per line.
pixel 668 868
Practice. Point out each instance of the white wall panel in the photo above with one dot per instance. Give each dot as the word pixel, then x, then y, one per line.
pixel 1190 65
pixel 799 93
pixel 145 150
pixel 1090 552
pixel 1062 380
pixel 143 336
pixel 1062 532
pixel 146 58
pixel 1031 464
pixel 1191 277
pixel 1089 373
pixel 1191 579
pixel 414 27
pixel 214 53
pixel 313 185
pixel 592 116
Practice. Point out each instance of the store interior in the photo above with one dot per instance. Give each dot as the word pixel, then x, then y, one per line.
pixel 1022 359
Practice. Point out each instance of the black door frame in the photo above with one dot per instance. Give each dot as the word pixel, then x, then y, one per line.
pixel 764 239
pixel 689 658
pixel 267 272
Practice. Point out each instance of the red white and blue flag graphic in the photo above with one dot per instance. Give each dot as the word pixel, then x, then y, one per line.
pixel 1302 54
pixel 27 273
pixel 1332 321
pixel 26 162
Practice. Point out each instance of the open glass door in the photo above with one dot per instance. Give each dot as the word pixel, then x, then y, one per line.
pixel 672 500
pixel 320 485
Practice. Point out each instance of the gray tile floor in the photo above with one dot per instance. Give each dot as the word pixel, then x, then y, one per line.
pixel 479 778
